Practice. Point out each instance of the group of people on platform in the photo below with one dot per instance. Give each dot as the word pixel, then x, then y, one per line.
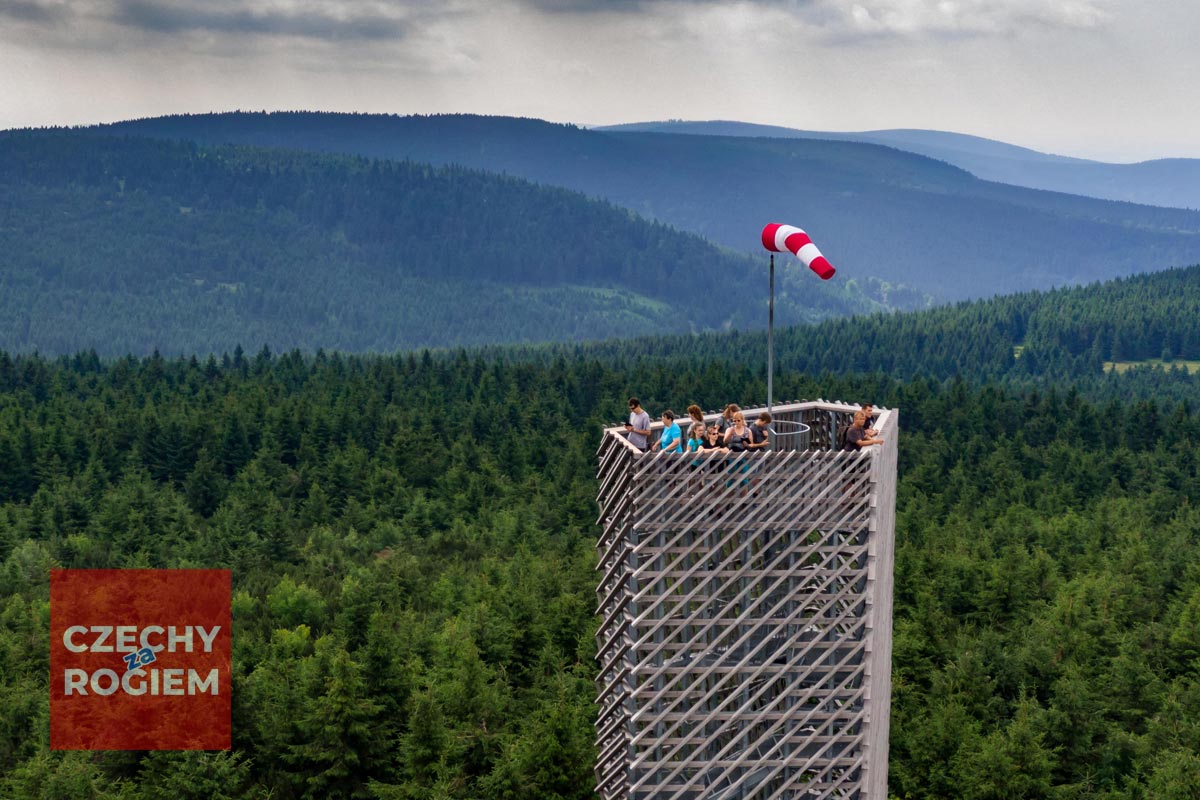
pixel 729 433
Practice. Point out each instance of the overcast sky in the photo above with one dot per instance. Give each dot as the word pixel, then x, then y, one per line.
pixel 1111 79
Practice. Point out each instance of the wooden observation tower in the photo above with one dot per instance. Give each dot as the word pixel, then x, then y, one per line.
pixel 746 605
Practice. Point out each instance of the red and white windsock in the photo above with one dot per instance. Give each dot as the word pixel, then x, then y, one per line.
pixel 779 238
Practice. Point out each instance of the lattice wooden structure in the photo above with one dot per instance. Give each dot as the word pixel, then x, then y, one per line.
pixel 746 603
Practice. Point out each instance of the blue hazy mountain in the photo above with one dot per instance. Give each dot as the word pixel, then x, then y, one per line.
pixel 1161 182
pixel 875 211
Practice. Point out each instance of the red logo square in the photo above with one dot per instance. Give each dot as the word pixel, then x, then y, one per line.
pixel 139 659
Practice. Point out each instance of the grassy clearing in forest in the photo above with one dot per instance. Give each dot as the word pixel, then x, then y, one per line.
pixel 1121 366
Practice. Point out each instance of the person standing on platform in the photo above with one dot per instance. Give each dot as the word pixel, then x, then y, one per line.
pixel 869 411
pixel 737 439
pixel 737 435
pixel 638 426
pixel 760 433
pixel 672 438
pixel 725 422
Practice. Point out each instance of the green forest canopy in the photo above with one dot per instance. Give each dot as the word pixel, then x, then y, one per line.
pixel 411 540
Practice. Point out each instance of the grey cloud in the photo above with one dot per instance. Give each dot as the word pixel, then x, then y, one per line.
pixel 592 7
pixel 867 19
pixel 627 6
pixel 636 6
pixel 33 10
pixel 304 22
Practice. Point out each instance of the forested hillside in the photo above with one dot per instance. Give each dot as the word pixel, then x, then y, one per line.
pixel 1028 340
pixel 411 546
pixel 875 211
pixel 132 245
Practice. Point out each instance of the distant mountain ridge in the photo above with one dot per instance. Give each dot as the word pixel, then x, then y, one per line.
pixel 874 210
pixel 128 245
pixel 1173 182
pixel 914 140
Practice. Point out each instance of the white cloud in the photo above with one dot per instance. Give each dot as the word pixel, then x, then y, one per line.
pixel 964 17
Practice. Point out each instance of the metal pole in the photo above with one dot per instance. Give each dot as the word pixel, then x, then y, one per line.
pixel 771 339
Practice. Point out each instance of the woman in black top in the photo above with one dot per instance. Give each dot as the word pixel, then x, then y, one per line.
pixel 712 438
pixel 737 435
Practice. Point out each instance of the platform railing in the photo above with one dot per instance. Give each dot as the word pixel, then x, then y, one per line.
pixel 801 425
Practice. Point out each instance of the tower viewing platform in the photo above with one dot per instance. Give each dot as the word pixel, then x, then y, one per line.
pixel 746 614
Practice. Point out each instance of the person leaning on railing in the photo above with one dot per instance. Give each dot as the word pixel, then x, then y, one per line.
pixel 712 438
pixel 857 435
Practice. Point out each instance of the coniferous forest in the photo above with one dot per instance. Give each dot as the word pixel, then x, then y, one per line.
pixel 411 540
